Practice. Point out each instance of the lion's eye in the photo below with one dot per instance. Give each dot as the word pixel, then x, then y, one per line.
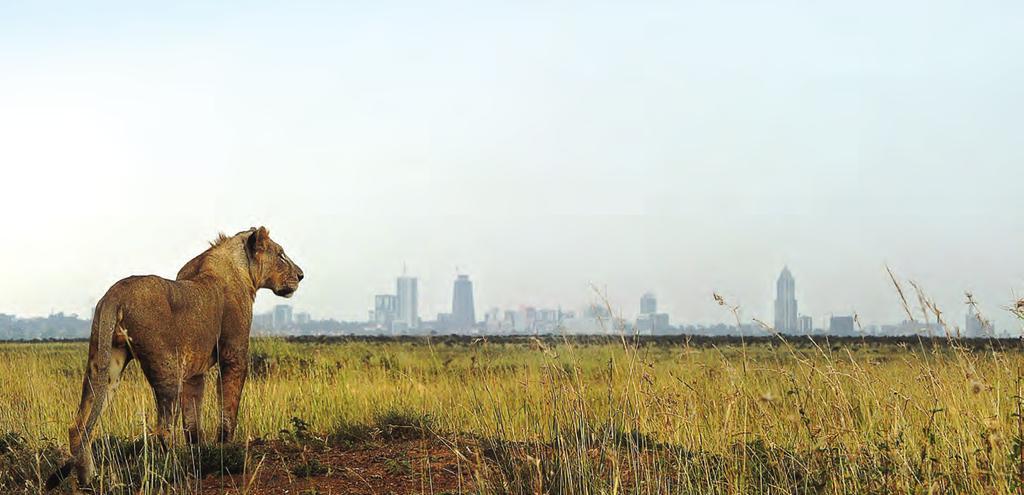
pixel 281 256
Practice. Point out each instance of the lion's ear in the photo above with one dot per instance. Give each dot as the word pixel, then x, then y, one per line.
pixel 257 241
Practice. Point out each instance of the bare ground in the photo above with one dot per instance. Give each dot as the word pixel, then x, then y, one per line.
pixel 393 467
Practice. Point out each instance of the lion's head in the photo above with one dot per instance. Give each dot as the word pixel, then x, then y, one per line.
pixel 271 268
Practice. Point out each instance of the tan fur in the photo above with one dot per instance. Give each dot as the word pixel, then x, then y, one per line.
pixel 177 330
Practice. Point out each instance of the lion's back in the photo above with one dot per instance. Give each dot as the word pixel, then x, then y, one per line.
pixel 152 301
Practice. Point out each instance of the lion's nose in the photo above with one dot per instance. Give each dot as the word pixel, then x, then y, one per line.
pixel 301 275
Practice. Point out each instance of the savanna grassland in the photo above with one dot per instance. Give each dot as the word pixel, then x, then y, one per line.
pixel 593 416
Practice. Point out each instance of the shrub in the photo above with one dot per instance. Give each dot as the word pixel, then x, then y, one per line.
pixel 307 468
pixel 403 425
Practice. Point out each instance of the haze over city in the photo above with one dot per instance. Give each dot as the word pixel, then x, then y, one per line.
pixel 544 152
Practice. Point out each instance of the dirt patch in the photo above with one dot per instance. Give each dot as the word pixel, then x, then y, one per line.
pixel 395 467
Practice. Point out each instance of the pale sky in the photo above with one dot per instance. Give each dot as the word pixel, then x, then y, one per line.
pixel 677 147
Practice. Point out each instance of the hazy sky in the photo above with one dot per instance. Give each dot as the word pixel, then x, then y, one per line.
pixel 678 147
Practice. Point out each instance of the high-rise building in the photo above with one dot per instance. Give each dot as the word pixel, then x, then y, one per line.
pixel 407 299
pixel 648 304
pixel 659 322
pixel 650 320
pixel 805 324
pixel 841 325
pixel 463 312
pixel 547 315
pixel 785 303
pixel 385 309
pixel 282 316
pixel 529 319
pixel 652 323
pixel 975 327
pixel 494 322
pixel 511 320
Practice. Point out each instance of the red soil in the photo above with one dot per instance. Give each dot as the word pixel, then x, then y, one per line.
pixel 384 468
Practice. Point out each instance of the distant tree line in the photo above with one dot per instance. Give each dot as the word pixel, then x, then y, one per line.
pixel 816 343
pixel 312 327
pixel 55 326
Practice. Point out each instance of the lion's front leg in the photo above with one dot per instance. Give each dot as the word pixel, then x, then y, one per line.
pixel 232 379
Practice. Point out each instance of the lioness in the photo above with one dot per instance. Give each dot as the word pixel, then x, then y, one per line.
pixel 177 330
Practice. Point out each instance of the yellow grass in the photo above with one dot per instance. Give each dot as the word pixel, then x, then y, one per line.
pixel 613 416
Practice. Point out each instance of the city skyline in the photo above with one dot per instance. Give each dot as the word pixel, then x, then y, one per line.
pixel 397 314
pixel 403 308
pixel 787 318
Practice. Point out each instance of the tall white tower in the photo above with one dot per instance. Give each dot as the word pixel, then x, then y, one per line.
pixel 785 303
pixel 408 302
pixel 463 311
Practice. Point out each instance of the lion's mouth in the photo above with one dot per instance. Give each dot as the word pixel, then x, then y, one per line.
pixel 285 291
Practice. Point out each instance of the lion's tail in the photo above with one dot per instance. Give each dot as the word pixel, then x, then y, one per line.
pixel 94 388
pixel 108 316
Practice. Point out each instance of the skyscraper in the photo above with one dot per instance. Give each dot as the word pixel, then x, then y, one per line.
pixel 975 327
pixel 785 303
pixel 648 304
pixel 385 309
pixel 650 320
pixel 841 325
pixel 806 325
pixel 282 318
pixel 463 313
pixel 408 302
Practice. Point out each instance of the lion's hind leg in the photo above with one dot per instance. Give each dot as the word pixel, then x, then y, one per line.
pixel 192 406
pixel 166 413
